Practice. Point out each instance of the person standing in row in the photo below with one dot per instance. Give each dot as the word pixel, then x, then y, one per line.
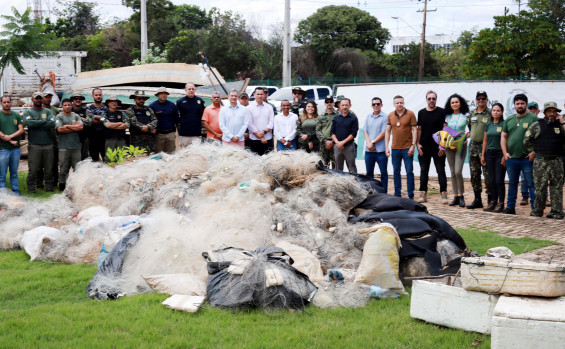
pixel 323 132
pixel 545 138
pixel 477 120
pixel 167 114
pixel 11 129
pixel 491 157
pixel 190 108
pixel 143 123
pixel 285 128
pixel 430 121
pixel 47 98
pixel 40 123
pixel 457 111
pixel 95 127
pixel 115 123
pixel 77 99
pixel 261 121
pixel 233 122
pixel 298 103
pixel 375 151
pixel 211 119
pixel 345 126
pixel 402 124
pixel 69 125
pixel 306 128
pixel 516 156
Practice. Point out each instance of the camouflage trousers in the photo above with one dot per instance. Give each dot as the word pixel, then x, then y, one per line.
pixel 146 142
pixel 475 150
pixel 327 156
pixel 548 170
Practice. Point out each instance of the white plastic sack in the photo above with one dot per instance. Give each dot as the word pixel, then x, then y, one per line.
pixel 100 225
pixel 500 252
pixel 95 211
pixel 186 303
pixel 304 261
pixel 32 240
pixel 379 264
pixel 177 284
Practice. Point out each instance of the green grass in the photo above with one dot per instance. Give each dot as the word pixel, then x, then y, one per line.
pixel 481 241
pixel 39 194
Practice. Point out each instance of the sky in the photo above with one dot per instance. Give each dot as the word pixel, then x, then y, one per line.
pixel 450 16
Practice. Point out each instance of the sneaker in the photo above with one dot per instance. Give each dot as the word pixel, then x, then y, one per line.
pixel 423 197
pixel 524 201
pixel 509 210
pixel 444 199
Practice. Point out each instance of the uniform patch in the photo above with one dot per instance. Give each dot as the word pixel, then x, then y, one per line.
pixel 557 130
pixel 525 125
pixel 527 133
pixel 499 129
pixel 474 118
pixel 43 116
pixel 147 113
pixel 15 122
pixel 485 119
pixel 198 101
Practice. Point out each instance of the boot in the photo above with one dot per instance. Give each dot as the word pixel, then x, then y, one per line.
pixel 477 203
pixel 499 208
pixel 490 207
pixel 462 201
pixel 455 201
pixel 62 187
pixel 423 197
pixel 444 199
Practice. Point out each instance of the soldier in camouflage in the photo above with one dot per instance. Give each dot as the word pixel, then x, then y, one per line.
pixel 477 120
pixel 143 123
pixel 323 132
pixel 545 137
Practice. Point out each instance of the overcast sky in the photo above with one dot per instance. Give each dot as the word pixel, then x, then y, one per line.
pixel 450 17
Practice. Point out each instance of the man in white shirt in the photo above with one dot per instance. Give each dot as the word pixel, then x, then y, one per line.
pixel 261 121
pixel 233 121
pixel 285 128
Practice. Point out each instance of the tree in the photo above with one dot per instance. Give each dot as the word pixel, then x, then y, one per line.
pixel 408 60
pixel 21 36
pixel 76 18
pixel 519 45
pixel 552 10
pixel 336 27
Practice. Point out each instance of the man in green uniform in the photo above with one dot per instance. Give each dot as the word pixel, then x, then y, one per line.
pixel 77 99
pixel 115 125
pixel 477 120
pixel 47 97
pixel 545 138
pixel 143 123
pixel 515 156
pixel 10 131
pixel 323 132
pixel 68 125
pixel 40 123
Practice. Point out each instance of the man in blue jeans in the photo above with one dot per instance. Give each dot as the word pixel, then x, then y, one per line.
pixel 516 157
pixel 374 132
pixel 402 124
pixel 11 129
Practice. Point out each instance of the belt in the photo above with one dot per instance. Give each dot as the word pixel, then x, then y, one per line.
pixel 164 132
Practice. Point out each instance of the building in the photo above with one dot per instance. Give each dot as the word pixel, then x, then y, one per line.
pixel 437 41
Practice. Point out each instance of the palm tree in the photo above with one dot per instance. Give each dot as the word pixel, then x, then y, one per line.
pixel 21 37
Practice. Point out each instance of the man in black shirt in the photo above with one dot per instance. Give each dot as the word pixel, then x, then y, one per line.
pixel 191 109
pixel 77 100
pixel 344 130
pixel 431 120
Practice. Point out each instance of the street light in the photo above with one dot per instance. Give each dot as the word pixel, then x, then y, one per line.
pixel 397 18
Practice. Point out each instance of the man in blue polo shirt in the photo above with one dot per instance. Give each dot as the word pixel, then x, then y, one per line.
pixel 374 132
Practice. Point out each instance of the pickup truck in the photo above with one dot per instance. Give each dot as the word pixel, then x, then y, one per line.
pixel 313 92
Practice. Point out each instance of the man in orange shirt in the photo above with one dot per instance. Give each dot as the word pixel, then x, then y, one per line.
pixel 211 119
pixel 402 123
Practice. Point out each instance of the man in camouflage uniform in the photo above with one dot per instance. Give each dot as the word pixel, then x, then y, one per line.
pixel 115 124
pixel 298 102
pixel 77 99
pixel 545 137
pixel 323 132
pixel 477 120
pixel 143 123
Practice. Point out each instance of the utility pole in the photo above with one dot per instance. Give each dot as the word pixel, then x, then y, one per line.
pixel 143 31
pixel 423 43
pixel 286 46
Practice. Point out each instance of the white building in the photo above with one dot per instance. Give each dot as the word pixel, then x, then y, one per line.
pixel 437 41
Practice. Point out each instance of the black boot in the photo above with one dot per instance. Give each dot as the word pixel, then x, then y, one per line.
pixel 490 207
pixel 477 203
pixel 455 201
pixel 461 201
pixel 62 187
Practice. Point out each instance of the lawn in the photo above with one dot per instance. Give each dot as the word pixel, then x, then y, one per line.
pixel 45 305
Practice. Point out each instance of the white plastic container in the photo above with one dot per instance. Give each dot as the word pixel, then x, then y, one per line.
pixel 451 306
pixel 528 322
pixel 518 277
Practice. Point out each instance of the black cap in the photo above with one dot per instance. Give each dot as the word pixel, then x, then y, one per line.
pixel 481 93
pixel 329 100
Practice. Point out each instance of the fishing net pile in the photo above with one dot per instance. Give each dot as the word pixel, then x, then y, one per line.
pixel 157 216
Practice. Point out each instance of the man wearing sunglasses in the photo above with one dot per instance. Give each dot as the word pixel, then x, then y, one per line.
pixel 477 120
pixel 374 133
pixel 430 121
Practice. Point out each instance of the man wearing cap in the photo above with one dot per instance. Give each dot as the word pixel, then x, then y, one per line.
pixel 534 109
pixel 324 133
pixel 40 123
pixel 261 121
pixel 233 121
pixel 545 138
pixel 516 156
pixel 477 120
pixel 77 100
pixel 430 121
pixel 115 123
pixel 345 126
pixel 190 110
pixel 95 127
pixel 374 133
pixel 167 114
pixel 11 129
pixel 143 123
pixel 211 119
pixel 402 124
pixel 47 97
pixel 68 125
pixel 298 102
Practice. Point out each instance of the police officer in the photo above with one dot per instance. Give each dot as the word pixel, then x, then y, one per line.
pixel 323 132
pixel 545 137
pixel 143 123
pixel 115 125
pixel 298 102
pixel 77 100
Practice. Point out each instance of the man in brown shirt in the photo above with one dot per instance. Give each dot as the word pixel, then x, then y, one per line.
pixel 402 123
